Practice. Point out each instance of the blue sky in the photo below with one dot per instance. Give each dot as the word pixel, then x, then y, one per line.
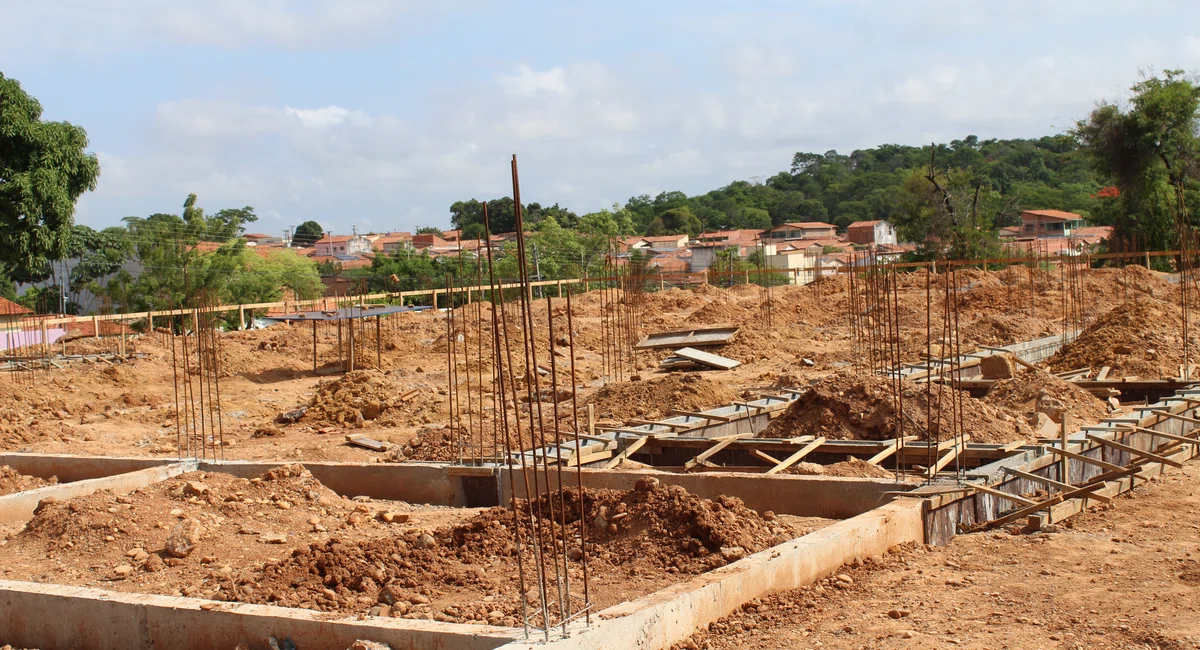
pixel 380 113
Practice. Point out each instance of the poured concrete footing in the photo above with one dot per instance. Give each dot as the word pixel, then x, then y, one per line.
pixel 85 618
pixel 55 617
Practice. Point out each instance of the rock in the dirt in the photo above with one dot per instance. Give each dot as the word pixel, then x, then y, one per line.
pixel 183 538
pixel 273 538
pixel 425 541
pixel 646 484
pixel 122 572
pixel 369 645
pixel 267 431
pixel 1121 348
pixel 393 517
pixel 997 366
pixel 810 469
pixel 195 488
pixel 153 564
pixel 1051 406
pixel 732 553
pixel 291 416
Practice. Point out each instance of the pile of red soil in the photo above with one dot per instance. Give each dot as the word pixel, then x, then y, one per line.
pixel 12 481
pixel 468 573
pixel 357 397
pixel 1032 392
pixel 854 406
pixel 1140 338
pixel 652 399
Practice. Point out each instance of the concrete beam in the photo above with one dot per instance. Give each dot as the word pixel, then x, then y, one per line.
pixel 672 614
pixel 57 616
pixel 19 507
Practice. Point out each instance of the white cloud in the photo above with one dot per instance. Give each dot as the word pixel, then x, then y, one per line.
pixel 529 82
pixel 101 26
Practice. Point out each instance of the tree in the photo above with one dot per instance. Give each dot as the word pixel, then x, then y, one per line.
pixel 948 213
pixel 43 171
pixel 307 234
pixel 675 221
pixel 259 278
pixel 1149 151
pixel 429 230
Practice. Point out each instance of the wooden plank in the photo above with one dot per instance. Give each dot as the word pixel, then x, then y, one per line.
pixel 661 424
pixel 692 337
pixel 1135 451
pixel 705 359
pixel 945 460
pixel 721 443
pixel 764 456
pixel 795 458
pixel 1161 434
pixel 1173 416
pixel 628 451
pixel 1015 498
pixel 705 416
pixel 1057 498
pixel 889 450
pixel 1103 374
pixel 1085 459
pixel 1052 483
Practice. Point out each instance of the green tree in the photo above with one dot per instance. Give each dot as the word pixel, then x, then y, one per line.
pixel 43 171
pixel 258 278
pixel 307 234
pixel 429 230
pixel 1149 151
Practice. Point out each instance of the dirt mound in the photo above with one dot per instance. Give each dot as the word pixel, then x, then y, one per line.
pixel 652 399
pixel 853 406
pixel 724 309
pixel 857 468
pixel 357 397
pixel 447 571
pixel 1137 338
pixel 12 481
pixel 1041 392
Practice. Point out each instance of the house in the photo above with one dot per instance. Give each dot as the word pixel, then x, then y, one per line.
pixel 871 233
pixel 11 314
pixel 1049 223
pixel 393 242
pixel 667 242
pixel 1009 232
pixel 258 239
pixel 421 242
pixel 330 246
pixel 802 230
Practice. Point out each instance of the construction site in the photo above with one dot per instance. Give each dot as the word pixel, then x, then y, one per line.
pixel 978 453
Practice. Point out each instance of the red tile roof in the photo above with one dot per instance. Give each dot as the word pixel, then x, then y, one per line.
pixel 864 224
pixel 1055 215
pixel 10 308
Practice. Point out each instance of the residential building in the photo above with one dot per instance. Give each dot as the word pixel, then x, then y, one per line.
pixel 871 233
pixel 393 242
pixel 421 242
pixel 1049 223
pixel 802 230
pixel 667 242
pixel 330 246
pixel 258 239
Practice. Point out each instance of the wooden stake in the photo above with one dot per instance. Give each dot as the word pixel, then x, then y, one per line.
pixel 795 458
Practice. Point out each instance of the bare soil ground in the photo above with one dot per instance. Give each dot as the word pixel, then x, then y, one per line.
pixel 120 542
pixel 1124 576
pixel 128 409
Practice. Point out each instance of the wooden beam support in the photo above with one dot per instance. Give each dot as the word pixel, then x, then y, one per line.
pixel 955 450
pixel 628 451
pixel 1160 434
pixel 1051 483
pixel 1015 498
pixel 1173 416
pixel 765 457
pixel 795 458
pixel 889 450
pixel 721 443
pixel 1103 374
pixel 1086 459
pixel 1134 451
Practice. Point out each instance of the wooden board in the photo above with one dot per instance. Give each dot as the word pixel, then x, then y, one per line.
pixel 795 458
pixel 705 359
pixel 690 337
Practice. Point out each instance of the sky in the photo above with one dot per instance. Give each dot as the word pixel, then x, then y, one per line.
pixel 378 114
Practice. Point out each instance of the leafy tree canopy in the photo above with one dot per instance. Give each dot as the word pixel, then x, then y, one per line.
pixel 307 234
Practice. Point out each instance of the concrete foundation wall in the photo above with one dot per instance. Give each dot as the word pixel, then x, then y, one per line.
pixel 19 507
pixel 69 467
pixel 668 616
pixel 802 496
pixel 56 617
